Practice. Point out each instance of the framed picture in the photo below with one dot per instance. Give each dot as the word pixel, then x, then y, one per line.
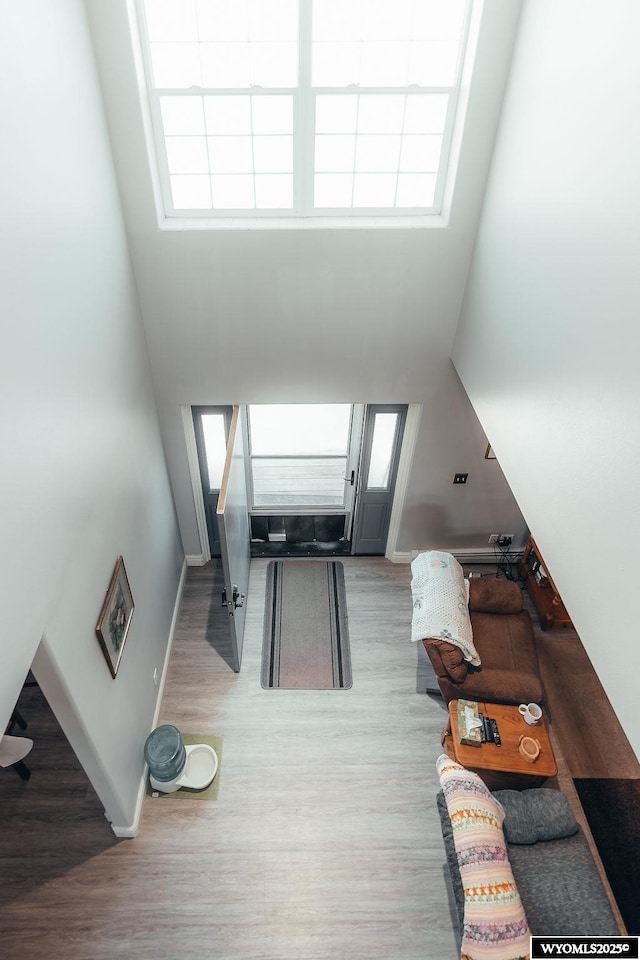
pixel 489 454
pixel 115 617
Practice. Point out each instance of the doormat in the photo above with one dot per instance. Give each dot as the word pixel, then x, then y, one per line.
pixel 306 639
pixel 210 792
pixel 612 809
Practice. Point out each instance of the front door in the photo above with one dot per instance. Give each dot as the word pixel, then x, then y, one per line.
pixel 381 444
pixel 232 515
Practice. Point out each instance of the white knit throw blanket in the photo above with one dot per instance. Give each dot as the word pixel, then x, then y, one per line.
pixel 441 602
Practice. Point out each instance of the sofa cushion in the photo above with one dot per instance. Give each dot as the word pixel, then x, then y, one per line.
pixel 535 815
pixel 495 925
pixel 561 889
pixel 489 595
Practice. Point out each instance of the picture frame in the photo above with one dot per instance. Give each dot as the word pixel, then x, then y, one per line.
pixel 115 617
pixel 489 454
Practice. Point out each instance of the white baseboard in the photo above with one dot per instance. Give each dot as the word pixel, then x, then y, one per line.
pixel 473 555
pixel 129 831
pixel 478 555
pixel 195 559
pixel 399 556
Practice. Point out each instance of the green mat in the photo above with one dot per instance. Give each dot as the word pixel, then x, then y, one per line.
pixel 211 792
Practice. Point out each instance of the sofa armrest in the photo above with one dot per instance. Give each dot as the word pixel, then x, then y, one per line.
pixel 501 686
pixel 490 595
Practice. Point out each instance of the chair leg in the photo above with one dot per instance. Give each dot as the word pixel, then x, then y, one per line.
pixel 16 718
pixel 21 769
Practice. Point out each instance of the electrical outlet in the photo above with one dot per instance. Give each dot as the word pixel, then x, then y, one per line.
pixel 505 540
pixel 493 537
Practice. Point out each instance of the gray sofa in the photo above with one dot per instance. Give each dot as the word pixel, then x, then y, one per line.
pixel 553 868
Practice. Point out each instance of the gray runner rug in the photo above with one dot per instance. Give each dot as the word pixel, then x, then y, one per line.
pixel 306 638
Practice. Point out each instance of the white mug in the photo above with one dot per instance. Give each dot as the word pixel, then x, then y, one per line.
pixel 531 712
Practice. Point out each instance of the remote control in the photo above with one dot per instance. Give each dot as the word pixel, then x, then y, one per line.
pixel 496 732
pixel 488 732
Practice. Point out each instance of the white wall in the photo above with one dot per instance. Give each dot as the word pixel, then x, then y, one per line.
pixel 548 344
pixel 307 316
pixel 83 472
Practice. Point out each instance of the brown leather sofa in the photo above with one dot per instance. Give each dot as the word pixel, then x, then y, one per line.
pixel 503 636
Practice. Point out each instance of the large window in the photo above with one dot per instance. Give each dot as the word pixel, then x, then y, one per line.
pixel 303 107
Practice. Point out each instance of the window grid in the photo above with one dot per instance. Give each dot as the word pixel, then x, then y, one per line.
pixel 304 102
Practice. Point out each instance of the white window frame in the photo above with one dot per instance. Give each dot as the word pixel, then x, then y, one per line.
pixel 303 214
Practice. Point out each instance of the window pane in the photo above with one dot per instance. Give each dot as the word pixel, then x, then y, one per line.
pixel 426 113
pixel 384 64
pixel 230 154
pixel 176 64
pixel 299 428
pixel 336 20
pixel 224 20
pixel 228 114
pixel 433 64
pixel 374 189
pixel 233 191
pixel 272 114
pixel 171 19
pixel 377 154
pixel 438 19
pixel 273 154
pixel 272 19
pixel 190 192
pixel 335 153
pixel 187 155
pixel 333 190
pixel 380 113
pixel 215 446
pixel 306 482
pixel 416 190
pixel 420 154
pixel 274 191
pixel 335 64
pixel 336 114
pixel 182 115
pixel 225 64
pixel 384 431
pixel 273 64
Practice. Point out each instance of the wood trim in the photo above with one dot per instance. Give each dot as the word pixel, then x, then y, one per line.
pixel 196 482
pixel 409 442
pixel 224 486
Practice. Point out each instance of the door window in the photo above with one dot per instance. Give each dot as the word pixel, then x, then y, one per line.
pixel 215 445
pixel 382 448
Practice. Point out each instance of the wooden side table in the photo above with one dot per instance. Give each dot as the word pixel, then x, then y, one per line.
pixel 502 767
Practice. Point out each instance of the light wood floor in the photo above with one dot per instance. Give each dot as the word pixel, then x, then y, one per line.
pixel 324 841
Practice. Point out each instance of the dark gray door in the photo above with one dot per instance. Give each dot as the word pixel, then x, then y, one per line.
pixel 232 516
pixel 381 444
pixel 211 425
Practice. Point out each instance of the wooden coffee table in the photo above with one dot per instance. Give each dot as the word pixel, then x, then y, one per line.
pixel 502 767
